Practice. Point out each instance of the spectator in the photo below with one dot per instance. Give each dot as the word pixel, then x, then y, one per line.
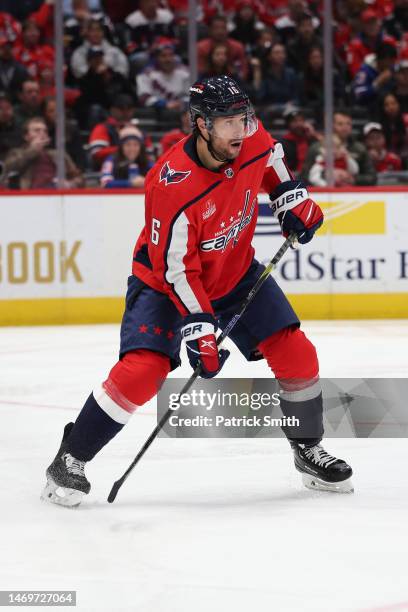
pixel 10 133
pixel 47 80
pixel 219 63
pixel 383 7
pixel 271 10
pixel 113 57
pixel 99 87
pixel 104 138
pixel 345 166
pixel 346 26
pixel 383 160
pixel 30 101
pixel 304 40
pixel 12 73
pixel 174 136
pixel 375 74
pixel 73 144
pixel 278 84
pixel 399 85
pixel 266 39
pixel 165 84
pixel 44 18
pixel 370 36
pixel 396 23
pixel 10 29
pixel 299 136
pixel 76 24
pixel 218 34
pixel 394 125
pixel 30 52
pixel 312 84
pixel 34 165
pixel 246 24
pixel 147 24
pixel 47 85
pixel 342 127
pixel 129 166
pixel 286 25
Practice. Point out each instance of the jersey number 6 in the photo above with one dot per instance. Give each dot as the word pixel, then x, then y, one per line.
pixel 155 231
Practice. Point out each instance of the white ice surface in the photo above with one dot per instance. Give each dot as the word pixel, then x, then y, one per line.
pixel 201 525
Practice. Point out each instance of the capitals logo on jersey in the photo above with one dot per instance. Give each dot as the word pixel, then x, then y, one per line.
pixel 168 175
pixel 221 241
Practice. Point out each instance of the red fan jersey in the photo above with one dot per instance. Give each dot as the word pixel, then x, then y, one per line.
pixel 196 244
pixel 34 57
pixel 389 162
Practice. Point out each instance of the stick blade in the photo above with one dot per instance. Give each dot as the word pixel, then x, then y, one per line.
pixel 114 491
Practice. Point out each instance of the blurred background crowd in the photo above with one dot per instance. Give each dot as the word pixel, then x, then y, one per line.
pixel 126 80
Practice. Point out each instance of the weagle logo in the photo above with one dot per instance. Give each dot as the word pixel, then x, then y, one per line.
pixel 168 175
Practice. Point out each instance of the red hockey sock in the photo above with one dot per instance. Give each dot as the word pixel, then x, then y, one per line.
pixel 290 355
pixel 293 359
pixel 131 383
pixel 136 378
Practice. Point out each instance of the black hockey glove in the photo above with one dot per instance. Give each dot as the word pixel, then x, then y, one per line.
pixel 296 212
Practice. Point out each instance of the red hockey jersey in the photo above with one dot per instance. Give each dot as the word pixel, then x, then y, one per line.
pixel 196 244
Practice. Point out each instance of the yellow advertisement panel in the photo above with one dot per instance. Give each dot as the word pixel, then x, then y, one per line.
pixel 70 259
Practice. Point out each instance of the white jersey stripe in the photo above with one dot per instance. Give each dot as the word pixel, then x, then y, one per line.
pixel 111 408
pixel 176 270
pixel 276 162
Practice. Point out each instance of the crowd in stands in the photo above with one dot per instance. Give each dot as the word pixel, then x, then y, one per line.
pixel 126 81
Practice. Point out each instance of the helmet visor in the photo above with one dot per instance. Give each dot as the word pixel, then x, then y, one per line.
pixel 234 126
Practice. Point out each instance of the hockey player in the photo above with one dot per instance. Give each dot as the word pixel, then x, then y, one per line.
pixel 193 265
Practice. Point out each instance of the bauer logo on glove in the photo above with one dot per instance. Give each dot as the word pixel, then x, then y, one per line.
pixel 295 196
pixel 295 210
pixel 192 330
pixel 199 334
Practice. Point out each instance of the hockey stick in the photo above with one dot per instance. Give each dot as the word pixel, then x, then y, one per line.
pixel 262 278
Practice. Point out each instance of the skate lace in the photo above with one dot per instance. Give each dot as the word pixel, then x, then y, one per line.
pixel 74 466
pixel 319 456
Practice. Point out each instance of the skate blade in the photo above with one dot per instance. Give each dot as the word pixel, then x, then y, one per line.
pixel 70 498
pixel 316 484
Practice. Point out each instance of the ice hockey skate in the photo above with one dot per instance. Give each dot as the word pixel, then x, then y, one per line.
pixel 66 480
pixel 322 471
